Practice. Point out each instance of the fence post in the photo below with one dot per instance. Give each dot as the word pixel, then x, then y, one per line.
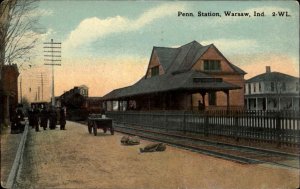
pixel 184 124
pixel 152 120
pixel 236 127
pixel 123 117
pixel 278 129
pixel 166 121
pixel 206 122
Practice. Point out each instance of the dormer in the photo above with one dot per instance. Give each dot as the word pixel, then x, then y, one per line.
pixel 154 68
pixel 213 61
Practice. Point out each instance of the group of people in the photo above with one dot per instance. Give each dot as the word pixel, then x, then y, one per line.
pixel 38 117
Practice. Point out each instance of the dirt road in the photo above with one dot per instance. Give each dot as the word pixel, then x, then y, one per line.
pixel 75 159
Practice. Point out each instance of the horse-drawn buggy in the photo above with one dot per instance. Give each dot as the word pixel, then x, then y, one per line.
pixel 98 121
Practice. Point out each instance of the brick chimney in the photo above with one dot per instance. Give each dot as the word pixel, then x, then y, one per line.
pixel 268 69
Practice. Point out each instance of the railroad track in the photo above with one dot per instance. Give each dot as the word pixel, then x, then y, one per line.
pixel 236 153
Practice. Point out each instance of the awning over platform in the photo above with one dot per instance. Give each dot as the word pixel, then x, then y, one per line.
pixel 190 81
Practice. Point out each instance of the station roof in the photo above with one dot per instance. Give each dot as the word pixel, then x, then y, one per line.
pixel 186 81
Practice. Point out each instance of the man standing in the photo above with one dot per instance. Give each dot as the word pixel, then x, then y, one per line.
pixel 44 118
pixel 36 115
pixel 30 116
pixel 16 120
pixel 62 118
pixel 53 118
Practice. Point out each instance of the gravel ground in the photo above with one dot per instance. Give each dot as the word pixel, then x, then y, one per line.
pixel 9 148
pixel 75 159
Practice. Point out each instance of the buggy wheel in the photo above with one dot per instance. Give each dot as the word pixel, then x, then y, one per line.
pixel 95 130
pixel 112 131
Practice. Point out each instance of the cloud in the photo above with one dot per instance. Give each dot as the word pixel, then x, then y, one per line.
pixel 94 28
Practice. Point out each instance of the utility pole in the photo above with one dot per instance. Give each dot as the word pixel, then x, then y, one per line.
pixel 52 55
pixel 38 93
pixel 21 100
pixel 42 86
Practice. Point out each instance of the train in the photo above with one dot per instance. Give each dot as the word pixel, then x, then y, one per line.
pixel 79 107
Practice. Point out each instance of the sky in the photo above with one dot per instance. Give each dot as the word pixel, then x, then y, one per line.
pixel 108 44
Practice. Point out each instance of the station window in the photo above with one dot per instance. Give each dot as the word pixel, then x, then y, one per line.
pixel 154 71
pixel 212 65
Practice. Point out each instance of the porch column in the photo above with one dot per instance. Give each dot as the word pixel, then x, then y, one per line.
pixel 149 103
pixel 227 95
pixel 256 103
pixel 248 107
pixel 279 104
pixel 266 103
pixel 293 103
pixel 203 97
pixel 127 104
pixel 192 102
pixel 164 101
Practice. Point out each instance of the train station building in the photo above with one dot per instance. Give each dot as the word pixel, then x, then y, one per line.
pixel 190 77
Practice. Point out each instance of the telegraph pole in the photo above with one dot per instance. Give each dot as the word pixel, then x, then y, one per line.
pixel 21 100
pixel 42 86
pixel 52 55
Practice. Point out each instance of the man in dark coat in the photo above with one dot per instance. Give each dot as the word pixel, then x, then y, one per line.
pixel 20 118
pixel 53 118
pixel 13 122
pixel 31 116
pixel 17 119
pixel 62 118
pixel 44 118
pixel 36 119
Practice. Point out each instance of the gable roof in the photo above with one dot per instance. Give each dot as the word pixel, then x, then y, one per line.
pixel 166 55
pixel 272 76
pixel 176 60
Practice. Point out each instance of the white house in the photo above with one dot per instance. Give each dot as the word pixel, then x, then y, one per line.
pixel 272 91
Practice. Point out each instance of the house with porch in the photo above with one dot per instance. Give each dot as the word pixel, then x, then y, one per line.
pixel 272 91
pixel 190 77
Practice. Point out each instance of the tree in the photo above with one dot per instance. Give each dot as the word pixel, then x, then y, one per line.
pixel 18 30
pixel 19 33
